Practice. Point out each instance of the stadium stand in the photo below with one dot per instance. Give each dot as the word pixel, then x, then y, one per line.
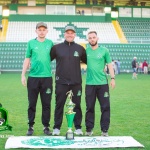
pixel 12 55
pixel 25 31
pixel 126 52
pixel 79 2
pixel 136 30
pixel 125 37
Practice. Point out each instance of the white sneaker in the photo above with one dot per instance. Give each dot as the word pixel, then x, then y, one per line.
pixel 78 132
pixel 89 133
pixel 56 131
pixel 104 134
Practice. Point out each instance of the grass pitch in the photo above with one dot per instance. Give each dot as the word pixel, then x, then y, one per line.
pixel 130 109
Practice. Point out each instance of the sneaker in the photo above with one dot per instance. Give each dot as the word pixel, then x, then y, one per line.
pixel 78 132
pixel 56 131
pixel 30 131
pixel 88 133
pixel 46 131
pixel 104 133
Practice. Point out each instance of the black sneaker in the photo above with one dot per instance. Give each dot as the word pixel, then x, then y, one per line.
pixel 30 131
pixel 47 131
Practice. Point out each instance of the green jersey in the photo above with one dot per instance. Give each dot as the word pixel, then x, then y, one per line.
pixel 96 61
pixel 39 54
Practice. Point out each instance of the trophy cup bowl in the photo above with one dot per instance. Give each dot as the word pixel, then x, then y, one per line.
pixel 70 116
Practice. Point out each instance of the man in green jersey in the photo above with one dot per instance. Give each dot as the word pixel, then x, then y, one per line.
pixel 39 78
pixel 97 84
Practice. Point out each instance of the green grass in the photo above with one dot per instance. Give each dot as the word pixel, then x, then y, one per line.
pixel 130 109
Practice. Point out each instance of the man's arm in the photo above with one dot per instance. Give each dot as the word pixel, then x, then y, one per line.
pixel 112 75
pixel 84 57
pixel 53 53
pixel 26 65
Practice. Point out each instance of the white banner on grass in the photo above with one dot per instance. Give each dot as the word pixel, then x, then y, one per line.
pixel 78 142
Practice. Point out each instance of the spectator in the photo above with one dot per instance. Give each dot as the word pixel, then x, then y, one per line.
pixel 145 66
pixel 137 67
pixel 149 69
pixel 82 12
pixel 79 12
pixel 134 76
pixel 114 66
pixel 140 67
pixel 118 66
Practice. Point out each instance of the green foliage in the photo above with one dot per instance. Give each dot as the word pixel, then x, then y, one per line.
pixel 129 109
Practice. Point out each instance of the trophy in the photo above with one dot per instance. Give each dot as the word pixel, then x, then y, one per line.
pixel 70 116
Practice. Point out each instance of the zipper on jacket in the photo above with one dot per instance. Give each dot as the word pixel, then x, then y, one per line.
pixel 69 63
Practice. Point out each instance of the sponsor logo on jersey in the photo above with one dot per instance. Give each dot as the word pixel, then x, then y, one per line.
pixel 99 56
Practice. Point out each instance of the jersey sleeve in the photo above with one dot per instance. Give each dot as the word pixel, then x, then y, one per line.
pixel 53 52
pixel 52 44
pixel 28 51
pixel 107 57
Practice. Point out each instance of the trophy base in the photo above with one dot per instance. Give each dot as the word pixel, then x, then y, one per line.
pixel 69 136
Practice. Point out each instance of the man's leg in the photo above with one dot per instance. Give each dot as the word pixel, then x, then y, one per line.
pixel 103 97
pixel 90 92
pixel 33 91
pixel 46 94
pixel 61 96
pixel 77 92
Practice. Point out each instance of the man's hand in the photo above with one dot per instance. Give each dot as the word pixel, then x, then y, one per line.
pixel 112 83
pixel 23 80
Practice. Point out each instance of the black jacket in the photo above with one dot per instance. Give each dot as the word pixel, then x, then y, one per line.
pixel 68 57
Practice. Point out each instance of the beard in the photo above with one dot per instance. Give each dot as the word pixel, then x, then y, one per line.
pixel 93 44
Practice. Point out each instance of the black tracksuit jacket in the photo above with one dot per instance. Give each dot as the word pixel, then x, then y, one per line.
pixel 68 56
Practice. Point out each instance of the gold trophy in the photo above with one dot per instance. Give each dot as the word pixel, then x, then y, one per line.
pixel 70 116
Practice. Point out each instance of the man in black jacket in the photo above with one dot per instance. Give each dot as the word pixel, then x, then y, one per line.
pixel 68 77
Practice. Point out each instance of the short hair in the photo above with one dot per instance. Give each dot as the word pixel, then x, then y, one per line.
pixel 92 32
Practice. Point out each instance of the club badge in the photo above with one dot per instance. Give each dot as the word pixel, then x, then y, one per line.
pixel 4 119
